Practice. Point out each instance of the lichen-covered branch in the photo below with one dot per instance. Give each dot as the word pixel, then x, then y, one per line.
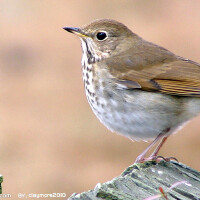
pixel 150 180
pixel 1 181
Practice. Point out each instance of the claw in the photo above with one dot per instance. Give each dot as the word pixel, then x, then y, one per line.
pixel 159 158
pixel 167 159
pixel 155 158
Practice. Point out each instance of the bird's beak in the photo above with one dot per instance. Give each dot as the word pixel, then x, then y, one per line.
pixel 76 31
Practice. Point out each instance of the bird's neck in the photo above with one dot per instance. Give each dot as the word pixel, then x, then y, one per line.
pixel 90 53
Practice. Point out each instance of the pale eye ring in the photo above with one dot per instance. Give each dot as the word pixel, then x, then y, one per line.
pixel 101 35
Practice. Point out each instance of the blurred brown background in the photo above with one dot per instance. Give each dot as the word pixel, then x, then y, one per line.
pixel 50 141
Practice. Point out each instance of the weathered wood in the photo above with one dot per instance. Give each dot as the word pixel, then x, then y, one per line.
pixel 149 180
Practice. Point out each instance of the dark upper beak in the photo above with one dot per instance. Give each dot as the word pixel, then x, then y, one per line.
pixel 76 31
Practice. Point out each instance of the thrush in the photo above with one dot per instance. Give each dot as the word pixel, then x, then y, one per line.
pixel 136 88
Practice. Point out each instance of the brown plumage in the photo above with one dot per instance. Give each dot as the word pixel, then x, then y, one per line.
pixel 137 88
pixel 156 69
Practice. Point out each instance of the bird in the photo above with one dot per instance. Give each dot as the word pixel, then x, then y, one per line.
pixel 136 88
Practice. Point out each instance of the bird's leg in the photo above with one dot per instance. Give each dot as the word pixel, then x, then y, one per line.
pixel 141 157
pixel 155 153
pixel 155 156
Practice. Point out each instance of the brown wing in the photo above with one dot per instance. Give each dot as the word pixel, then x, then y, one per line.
pixel 174 76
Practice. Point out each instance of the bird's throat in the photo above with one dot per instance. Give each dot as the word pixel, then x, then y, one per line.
pixel 89 52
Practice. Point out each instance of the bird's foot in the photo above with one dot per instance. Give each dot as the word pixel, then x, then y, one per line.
pixel 141 159
pixel 167 159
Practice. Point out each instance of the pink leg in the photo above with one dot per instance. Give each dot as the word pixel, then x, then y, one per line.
pixel 155 153
pixel 141 157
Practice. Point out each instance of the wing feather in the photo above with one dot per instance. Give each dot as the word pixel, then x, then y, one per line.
pixel 176 76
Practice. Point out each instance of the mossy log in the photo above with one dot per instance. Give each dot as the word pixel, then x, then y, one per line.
pixel 150 180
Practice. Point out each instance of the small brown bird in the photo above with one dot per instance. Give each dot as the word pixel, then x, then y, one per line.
pixel 136 88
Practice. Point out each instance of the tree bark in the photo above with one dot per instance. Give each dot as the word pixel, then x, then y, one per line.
pixel 149 180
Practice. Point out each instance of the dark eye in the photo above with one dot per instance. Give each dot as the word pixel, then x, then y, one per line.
pixel 101 36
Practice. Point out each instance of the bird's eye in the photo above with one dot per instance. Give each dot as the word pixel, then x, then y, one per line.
pixel 101 36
